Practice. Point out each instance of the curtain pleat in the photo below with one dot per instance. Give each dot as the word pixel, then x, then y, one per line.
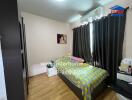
pixel 108 37
pixel 81 42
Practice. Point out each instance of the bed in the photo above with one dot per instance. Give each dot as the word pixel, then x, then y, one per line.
pixel 85 80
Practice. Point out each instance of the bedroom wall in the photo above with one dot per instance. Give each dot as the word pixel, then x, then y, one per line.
pixel 41 38
pixel 2 79
pixel 128 36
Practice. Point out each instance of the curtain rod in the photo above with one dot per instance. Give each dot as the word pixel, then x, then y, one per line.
pixel 127 8
pixel 81 25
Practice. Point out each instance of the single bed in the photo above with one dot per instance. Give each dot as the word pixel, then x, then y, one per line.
pixel 85 80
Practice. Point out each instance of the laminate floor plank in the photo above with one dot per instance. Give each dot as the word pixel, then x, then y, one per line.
pixel 42 87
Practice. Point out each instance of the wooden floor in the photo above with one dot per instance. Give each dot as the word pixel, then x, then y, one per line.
pixel 43 88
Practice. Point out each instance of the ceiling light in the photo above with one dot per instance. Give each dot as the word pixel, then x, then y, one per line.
pixel 59 0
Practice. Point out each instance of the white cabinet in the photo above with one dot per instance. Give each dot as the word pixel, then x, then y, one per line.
pixel 124 77
pixel 51 71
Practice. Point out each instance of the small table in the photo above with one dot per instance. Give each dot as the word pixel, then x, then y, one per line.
pixel 51 71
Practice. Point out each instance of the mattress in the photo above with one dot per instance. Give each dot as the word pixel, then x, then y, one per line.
pixel 85 77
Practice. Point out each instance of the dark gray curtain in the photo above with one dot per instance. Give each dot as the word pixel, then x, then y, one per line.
pixel 81 42
pixel 108 35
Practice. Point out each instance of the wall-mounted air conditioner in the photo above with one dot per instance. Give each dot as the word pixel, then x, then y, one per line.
pixel 94 14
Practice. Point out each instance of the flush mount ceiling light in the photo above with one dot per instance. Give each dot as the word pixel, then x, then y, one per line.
pixel 60 0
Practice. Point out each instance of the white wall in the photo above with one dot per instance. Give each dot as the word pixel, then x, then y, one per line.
pixel 128 36
pixel 2 79
pixel 41 37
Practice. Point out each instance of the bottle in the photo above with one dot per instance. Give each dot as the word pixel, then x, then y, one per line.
pixel 129 69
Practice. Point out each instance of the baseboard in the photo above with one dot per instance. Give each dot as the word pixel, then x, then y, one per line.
pixel 3 98
pixel 37 69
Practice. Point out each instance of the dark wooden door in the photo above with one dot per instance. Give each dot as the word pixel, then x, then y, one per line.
pixel 11 49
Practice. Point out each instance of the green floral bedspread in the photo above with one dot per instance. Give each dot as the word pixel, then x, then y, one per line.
pixel 84 76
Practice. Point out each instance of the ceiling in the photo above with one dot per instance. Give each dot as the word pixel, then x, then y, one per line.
pixel 65 11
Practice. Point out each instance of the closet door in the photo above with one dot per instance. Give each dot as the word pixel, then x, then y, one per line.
pixel 11 50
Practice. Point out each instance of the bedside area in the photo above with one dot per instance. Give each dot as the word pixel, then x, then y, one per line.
pixel 121 75
pixel 123 88
pixel 51 71
pixel 123 85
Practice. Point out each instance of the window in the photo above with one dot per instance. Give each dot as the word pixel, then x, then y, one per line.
pixel 91 37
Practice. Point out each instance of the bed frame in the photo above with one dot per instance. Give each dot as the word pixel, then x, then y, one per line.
pixel 78 91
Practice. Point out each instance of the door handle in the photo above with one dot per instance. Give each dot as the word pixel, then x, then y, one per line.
pixel 22 51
